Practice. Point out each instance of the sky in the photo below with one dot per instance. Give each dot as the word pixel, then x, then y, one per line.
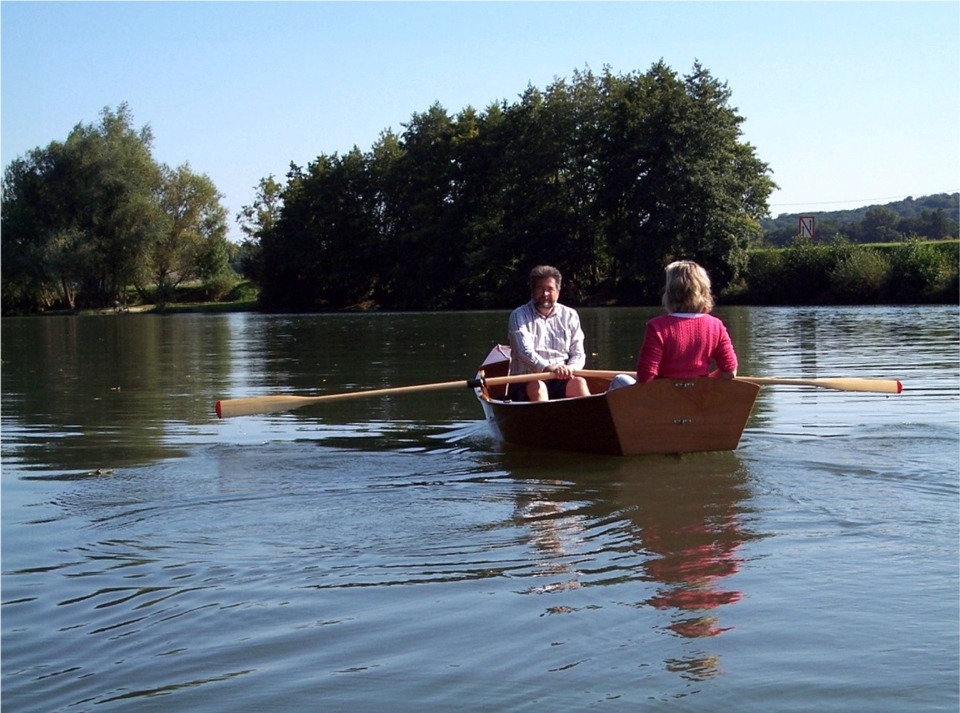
pixel 849 103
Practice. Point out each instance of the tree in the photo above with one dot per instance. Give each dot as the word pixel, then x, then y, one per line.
pixel 116 187
pixel 679 183
pixel 932 224
pixel 318 256
pixel 78 216
pixel 608 177
pixel 191 244
pixel 86 217
pixel 421 255
pixel 490 259
pixel 879 225
pixel 550 180
pixel 36 228
pixel 255 222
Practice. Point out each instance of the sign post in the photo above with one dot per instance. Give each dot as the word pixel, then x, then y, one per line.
pixel 807 224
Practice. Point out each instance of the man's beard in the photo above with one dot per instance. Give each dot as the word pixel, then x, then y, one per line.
pixel 545 306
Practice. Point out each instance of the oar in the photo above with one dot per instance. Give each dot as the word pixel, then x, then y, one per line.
pixel 227 408
pixel 876 386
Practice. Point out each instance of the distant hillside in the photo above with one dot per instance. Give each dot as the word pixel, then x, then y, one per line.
pixel 936 216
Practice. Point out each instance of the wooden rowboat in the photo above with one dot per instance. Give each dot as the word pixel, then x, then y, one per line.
pixel 663 416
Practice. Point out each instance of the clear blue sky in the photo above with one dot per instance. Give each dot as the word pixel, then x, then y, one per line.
pixel 850 103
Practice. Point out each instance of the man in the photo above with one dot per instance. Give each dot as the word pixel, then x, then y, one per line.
pixel 546 336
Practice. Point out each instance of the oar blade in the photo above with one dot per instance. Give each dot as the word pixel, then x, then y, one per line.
pixel 873 386
pixel 228 408
pixel 876 386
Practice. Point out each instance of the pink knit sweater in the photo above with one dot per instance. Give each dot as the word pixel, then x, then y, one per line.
pixel 681 347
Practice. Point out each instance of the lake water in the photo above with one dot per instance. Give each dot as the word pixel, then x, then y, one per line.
pixel 389 554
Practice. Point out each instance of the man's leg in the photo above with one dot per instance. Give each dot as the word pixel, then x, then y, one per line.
pixel 577 386
pixel 537 391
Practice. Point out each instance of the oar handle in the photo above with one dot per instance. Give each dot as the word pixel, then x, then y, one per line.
pixel 228 408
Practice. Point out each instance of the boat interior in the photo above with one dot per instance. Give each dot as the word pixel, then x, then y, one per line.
pixel 497 364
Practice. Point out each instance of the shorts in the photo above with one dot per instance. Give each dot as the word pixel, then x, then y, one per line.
pixel 556 389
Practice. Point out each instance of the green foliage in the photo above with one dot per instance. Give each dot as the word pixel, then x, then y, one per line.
pixel 918 272
pixel 318 255
pixel 766 274
pixel 800 274
pixel 607 177
pixel 860 277
pixel 219 285
pixel 257 221
pixel 86 217
pixel 79 214
pixel 192 241
pixel 244 291
pixel 849 273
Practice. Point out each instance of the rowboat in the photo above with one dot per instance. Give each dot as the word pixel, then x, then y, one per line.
pixel 663 416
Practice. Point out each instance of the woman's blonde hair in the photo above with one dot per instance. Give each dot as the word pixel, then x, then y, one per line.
pixel 688 288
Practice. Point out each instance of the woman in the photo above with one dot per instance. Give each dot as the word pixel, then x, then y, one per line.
pixel 682 343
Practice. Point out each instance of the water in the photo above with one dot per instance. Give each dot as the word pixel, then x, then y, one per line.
pixel 388 554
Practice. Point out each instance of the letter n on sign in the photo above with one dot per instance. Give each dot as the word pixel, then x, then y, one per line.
pixel 807 223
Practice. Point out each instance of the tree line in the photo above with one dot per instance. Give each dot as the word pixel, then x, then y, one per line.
pixel 607 176
pixel 88 217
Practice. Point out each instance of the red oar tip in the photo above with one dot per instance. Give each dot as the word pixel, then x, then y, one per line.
pixel 219 412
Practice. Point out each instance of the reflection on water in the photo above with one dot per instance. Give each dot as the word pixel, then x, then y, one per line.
pixel 682 520
pixel 88 393
pixel 693 535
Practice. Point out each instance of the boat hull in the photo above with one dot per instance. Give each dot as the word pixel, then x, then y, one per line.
pixel 660 417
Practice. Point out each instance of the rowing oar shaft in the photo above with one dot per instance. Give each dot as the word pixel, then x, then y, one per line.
pixel 876 386
pixel 227 408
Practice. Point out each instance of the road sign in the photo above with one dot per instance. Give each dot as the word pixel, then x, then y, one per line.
pixel 807 224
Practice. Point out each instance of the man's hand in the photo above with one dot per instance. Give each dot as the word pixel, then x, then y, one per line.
pixel 562 371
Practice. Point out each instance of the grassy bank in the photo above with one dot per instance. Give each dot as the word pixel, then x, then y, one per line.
pixel 193 298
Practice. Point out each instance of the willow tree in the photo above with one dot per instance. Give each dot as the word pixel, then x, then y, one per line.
pixel 87 217
pixel 37 232
pixel 115 206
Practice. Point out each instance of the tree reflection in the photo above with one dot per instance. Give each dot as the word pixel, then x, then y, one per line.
pixel 89 393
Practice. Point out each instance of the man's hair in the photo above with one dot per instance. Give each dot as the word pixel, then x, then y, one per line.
pixel 542 271
pixel 687 288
